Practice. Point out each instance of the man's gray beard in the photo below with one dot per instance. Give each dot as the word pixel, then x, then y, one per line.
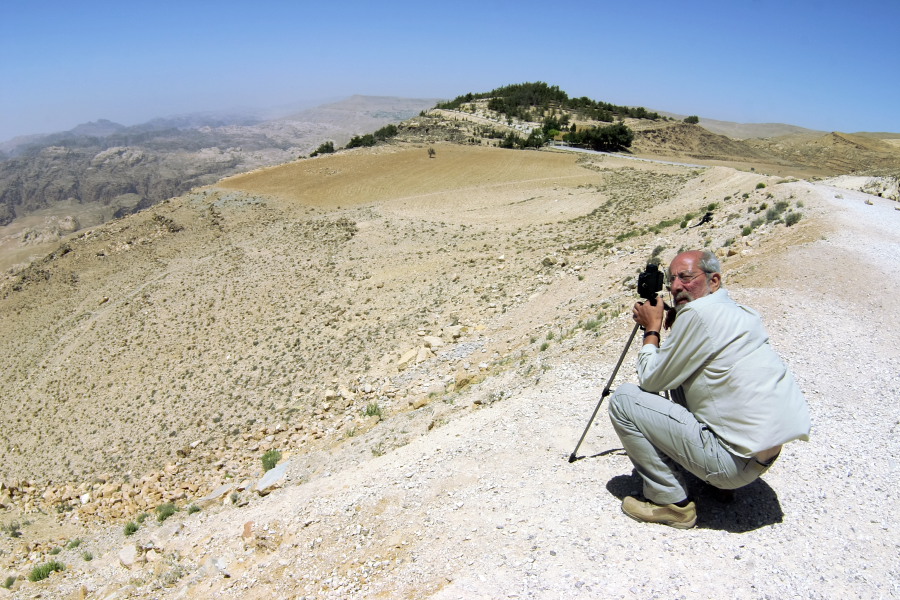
pixel 680 295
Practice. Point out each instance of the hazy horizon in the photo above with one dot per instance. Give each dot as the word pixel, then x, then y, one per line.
pixel 823 65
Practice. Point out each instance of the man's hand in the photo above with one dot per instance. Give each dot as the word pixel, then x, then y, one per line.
pixel 670 316
pixel 649 316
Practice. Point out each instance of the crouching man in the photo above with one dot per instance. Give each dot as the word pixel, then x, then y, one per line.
pixel 733 401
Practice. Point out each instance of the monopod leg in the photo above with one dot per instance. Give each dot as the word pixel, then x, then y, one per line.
pixel 573 457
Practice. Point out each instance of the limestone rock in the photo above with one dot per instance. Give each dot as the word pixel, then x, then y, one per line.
pixel 218 565
pixel 432 341
pixel 407 358
pixel 273 479
pixel 453 331
pixel 423 354
pixel 128 556
pixel 161 536
pixel 215 496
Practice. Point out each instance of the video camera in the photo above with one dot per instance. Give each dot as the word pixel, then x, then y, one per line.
pixel 650 282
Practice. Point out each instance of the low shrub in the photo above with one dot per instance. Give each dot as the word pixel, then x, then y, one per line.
pixel 373 410
pixel 270 459
pixel 165 510
pixel 792 218
pixel 43 571
pixel 14 529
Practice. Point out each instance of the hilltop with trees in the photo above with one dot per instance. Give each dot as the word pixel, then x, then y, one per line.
pixel 554 116
pixel 532 101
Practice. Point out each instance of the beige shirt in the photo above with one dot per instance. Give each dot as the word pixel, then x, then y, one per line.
pixel 731 379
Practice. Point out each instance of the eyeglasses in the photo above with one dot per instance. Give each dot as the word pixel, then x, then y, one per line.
pixel 683 277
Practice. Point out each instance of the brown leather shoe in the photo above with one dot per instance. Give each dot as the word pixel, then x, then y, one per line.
pixel 665 514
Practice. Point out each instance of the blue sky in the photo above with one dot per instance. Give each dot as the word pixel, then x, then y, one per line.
pixel 828 65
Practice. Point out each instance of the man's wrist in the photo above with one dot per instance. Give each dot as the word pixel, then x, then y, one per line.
pixel 652 333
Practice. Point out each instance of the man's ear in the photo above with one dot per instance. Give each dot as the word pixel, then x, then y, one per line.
pixel 715 282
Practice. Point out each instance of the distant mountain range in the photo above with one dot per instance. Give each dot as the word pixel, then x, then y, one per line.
pixel 122 169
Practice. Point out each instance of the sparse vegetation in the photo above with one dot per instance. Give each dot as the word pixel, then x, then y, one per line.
pixel 324 148
pixel 372 410
pixel 43 571
pixel 792 218
pixel 12 529
pixel 775 213
pixel 131 528
pixel 165 510
pixel 270 459
pixel 370 139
